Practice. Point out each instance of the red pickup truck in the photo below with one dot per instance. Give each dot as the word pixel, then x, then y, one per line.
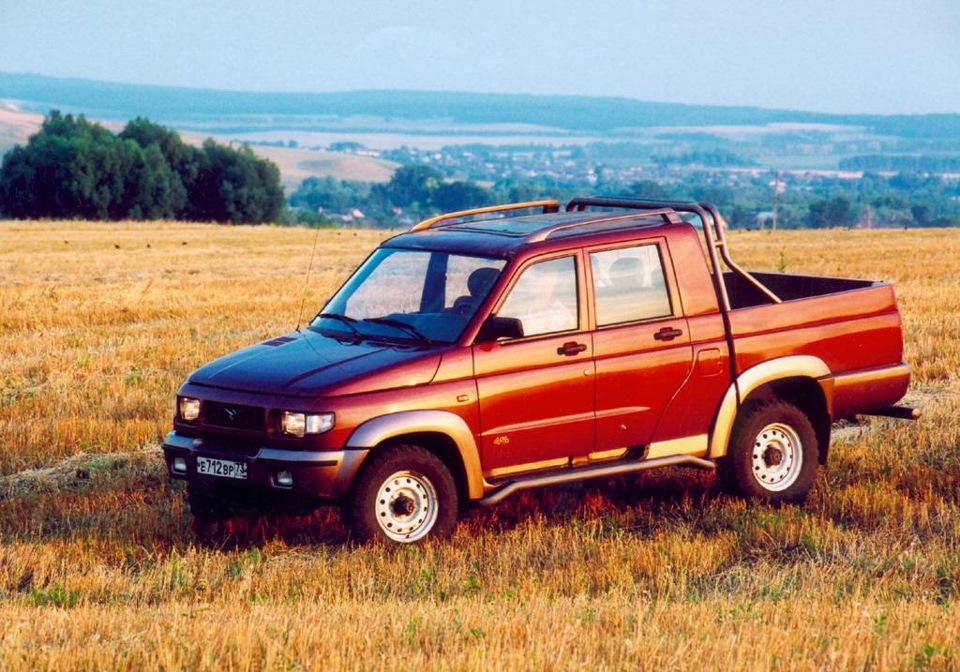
pixel 494 350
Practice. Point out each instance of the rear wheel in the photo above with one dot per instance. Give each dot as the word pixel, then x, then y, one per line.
pixel 404 495
pixel 773 453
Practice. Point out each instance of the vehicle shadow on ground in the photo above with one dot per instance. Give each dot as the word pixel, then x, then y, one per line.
pixel 629 499
pixel 636 500
pixel 150 511
pixel 320 527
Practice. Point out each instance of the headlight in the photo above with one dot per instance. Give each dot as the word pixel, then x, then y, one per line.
pixel 189 409
pixel 298 424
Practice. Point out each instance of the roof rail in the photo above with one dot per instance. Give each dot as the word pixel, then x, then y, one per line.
pixel 711 222
pixel 546 206
pixel 666 215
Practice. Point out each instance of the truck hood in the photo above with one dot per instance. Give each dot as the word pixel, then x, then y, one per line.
pixel 309 364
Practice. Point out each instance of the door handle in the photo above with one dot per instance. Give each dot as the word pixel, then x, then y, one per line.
pixel 570 349
pixel 667 334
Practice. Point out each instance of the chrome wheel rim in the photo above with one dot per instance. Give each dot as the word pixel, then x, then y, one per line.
pixel 406 506
pixel 777 457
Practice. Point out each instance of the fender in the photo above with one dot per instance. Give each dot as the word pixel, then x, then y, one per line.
pixel 796 366
pixel 375 431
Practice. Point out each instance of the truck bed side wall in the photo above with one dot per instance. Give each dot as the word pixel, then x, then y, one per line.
pixel 857 333
pixel 788 287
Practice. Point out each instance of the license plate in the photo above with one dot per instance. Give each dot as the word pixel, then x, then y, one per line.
pixel 222 468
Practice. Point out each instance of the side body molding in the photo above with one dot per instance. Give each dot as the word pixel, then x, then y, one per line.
pixel 797 366
pixel 377 430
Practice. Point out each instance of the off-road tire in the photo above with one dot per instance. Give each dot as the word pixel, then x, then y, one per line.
pixel 773 453
pixel 403 495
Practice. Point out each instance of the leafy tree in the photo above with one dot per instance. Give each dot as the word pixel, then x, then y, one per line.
pixel 345 146
pixel 158 191
pixel 50 177
pixel 647 189
pixel 235 186
pixel 921 214
pixel 183 159
pixel 453 196
pixel 525 191
pixel 330 195
pixel 74 168
pixel 413 185
pixel 825 213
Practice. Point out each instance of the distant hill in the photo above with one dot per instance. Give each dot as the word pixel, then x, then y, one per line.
pixel 238 112
pixel 16 127
pixel 295 130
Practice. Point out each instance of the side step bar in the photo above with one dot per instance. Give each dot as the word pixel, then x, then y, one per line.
pixel 572 475
pixel 898 412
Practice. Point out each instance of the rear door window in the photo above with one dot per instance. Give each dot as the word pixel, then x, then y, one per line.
pixel 629 285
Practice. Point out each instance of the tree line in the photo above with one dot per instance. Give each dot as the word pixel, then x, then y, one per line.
pixel 414 190
pixel 418 191
pixel 73 168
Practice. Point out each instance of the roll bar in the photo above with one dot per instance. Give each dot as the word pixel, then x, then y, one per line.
pixel 712 224
pixel 710 220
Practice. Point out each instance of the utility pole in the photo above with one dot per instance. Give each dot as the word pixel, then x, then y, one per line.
pixel 776 198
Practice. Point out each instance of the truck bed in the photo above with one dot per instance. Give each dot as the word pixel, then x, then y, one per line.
pixel 788 287
pixel 853 326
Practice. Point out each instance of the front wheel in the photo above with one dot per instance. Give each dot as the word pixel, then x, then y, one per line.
pixel 404 495
pixel 773 453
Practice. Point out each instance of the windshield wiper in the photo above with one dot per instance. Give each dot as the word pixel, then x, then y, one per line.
pixel 349 321
pixel 403 326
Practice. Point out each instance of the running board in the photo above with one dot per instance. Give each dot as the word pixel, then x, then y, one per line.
pixel 572 475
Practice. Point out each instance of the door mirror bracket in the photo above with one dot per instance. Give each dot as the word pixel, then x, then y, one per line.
pixel 496 328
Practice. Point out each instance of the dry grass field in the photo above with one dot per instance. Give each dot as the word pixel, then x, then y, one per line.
pixel 296 165
pixel 99 324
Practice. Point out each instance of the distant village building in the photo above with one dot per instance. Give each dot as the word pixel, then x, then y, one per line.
pixel 352 216
pixel 764 219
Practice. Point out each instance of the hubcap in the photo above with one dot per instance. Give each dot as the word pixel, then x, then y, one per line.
pixel 777 457
pixel 406 506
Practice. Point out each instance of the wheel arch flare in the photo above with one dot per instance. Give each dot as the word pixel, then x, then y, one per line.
pixel 804 380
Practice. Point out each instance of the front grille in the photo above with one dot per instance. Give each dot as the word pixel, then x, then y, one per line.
pixel 234 416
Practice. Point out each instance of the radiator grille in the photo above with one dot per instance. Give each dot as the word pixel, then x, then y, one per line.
pixel 234 416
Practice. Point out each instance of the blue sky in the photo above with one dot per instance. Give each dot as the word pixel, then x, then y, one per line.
pixel 846 56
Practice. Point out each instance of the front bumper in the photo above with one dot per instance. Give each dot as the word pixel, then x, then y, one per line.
pixel 316 475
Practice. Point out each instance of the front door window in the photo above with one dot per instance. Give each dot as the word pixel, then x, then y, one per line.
pixel 544 298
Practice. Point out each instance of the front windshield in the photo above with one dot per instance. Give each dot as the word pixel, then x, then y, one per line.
pixel 410 295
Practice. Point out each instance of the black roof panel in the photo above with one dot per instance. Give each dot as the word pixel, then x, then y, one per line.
pixel 503 236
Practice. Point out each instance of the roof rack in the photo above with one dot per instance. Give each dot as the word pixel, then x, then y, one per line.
pixel 711 223
pixel 667 215
pixel 546 206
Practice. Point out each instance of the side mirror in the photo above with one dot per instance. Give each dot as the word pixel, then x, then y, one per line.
pixel 495 328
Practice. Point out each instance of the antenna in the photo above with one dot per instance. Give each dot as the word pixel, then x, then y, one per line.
pixel 306 284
